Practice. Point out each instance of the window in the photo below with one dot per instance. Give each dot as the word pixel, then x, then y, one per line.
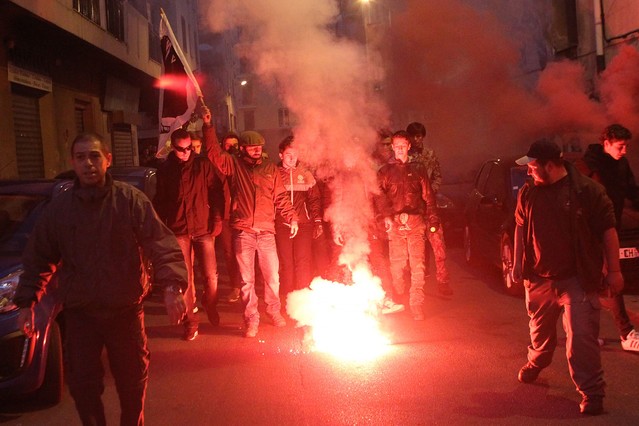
pixel 81 112
pixel 283 117
pixel 247 94
pixel 249 120
pixel 88 8
pixel 115 18
pixel 155 52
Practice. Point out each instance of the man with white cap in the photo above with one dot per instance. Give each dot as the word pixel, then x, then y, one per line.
pixel 565 229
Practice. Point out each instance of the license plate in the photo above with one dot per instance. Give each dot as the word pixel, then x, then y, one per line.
pixel 628 253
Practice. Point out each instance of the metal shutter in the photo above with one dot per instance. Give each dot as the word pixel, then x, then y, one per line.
pixel 123 154
pixel 26 122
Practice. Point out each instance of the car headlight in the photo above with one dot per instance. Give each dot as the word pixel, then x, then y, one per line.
pixel 8 285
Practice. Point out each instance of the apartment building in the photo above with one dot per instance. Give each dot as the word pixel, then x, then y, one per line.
pixel 70 66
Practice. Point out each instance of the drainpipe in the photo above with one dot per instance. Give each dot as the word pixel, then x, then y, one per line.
pixel 599 38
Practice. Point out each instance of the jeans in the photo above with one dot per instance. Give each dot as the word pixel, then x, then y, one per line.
pixel 226 242
pixel 295 256
pixel 617 308
pixel 202 248
pixel 406 244
pixel 548 300
pixel 246 245
pixel 124 338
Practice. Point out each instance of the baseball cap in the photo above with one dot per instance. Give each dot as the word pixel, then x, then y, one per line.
pixel 540 150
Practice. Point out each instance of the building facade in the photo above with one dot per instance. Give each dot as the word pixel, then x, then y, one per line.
pixel 72 66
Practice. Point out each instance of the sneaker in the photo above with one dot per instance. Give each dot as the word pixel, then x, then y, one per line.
pixel 444 289
pixel 234 295
pixel 418 312
pixel 190 333
pixel 390 307
pixel 631 342
pixel 591 405
pixel 278 320
pixel 528 373
pixel 251 329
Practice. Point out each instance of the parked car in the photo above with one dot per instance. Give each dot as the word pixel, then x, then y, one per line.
pixel 35 365
pixel 489 223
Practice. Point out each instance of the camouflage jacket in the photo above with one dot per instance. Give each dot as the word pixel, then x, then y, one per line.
pixel 430 161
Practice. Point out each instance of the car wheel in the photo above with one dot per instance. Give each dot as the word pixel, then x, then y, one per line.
pixel 506 251
pixel 469 254
pixel 50 392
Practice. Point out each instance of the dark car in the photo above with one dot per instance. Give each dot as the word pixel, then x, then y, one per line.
pixel 489 223
pixel 34 365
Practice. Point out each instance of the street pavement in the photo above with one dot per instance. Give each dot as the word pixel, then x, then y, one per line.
pixel 458 367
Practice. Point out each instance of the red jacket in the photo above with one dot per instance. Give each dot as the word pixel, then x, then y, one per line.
pixel 256 188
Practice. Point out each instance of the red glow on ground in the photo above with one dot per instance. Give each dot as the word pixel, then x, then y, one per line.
pixel 343 320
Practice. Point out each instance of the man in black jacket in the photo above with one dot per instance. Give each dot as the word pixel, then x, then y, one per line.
pixel 607 164
pixel 408 207
pixel 91 236
pixel 189 201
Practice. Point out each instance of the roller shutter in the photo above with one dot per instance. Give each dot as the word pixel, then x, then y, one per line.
pixel 123 154
pixel 28 136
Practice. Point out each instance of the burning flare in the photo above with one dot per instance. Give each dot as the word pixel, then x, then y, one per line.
pixel 342 320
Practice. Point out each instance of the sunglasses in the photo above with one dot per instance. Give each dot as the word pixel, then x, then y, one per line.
pixel 183 150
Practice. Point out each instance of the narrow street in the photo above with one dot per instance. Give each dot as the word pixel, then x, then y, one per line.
pixel 459 367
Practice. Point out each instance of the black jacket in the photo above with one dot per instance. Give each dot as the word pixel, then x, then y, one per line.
pixel 94 238
pixel 615 175
pixel 405 188
pixel 189 195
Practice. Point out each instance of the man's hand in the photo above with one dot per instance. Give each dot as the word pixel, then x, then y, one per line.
pixel 217 228
pixel 614 279
pixel 25 321
pixel 516 273
pixel 205 112
pixel 338 239
pixel 294 228
pixel 318 230
pixel 388 223
pixel 175 306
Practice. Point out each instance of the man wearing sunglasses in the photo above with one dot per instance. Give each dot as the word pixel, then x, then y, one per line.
pixel 189 200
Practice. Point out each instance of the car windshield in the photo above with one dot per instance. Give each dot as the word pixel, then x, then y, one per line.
pixel 17 217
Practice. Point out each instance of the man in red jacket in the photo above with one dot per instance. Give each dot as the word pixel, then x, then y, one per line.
pixel 256 193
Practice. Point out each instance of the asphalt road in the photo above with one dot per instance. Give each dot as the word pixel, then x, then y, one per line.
pixel 458 367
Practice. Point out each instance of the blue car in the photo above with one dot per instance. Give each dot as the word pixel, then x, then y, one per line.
pixel 34 366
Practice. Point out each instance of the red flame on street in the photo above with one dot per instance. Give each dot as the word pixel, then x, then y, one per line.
pixel 343 320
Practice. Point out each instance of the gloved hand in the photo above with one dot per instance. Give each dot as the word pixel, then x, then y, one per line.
pixel 434 224
pixel 318 230
pixel 175 304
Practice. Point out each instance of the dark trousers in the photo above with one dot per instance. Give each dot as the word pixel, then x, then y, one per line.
pixel 201 248
pixel 296 258
pixel 617 308
pixel 124 337
pixel 547 301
